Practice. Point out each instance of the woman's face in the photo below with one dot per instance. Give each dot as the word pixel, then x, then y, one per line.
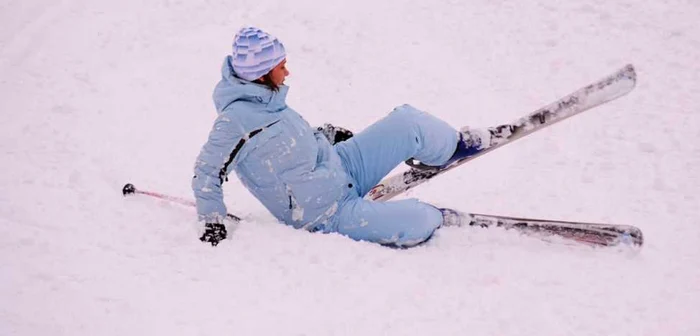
pixel 279 73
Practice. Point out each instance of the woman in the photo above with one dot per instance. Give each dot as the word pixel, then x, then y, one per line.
pixel 301 177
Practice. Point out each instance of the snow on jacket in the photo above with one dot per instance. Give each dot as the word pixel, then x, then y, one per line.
pixel 286 164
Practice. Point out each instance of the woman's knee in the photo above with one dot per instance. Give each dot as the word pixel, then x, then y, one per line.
pixel 400 223
pixel 406 113
pixel 424 220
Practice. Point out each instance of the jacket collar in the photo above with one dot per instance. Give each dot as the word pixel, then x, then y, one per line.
pixel 251 91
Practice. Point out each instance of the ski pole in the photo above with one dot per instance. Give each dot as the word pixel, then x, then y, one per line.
pixel 130 189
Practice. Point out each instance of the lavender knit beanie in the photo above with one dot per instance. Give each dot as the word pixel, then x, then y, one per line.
pixel 255 53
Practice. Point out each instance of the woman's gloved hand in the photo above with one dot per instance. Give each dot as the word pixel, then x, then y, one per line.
pixel 335 134
pixel 213 233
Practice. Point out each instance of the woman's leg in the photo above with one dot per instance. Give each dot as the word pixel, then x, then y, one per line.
pixel 405 133
pixel 404 223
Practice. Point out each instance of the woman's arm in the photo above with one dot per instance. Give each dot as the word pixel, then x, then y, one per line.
pixel 212 168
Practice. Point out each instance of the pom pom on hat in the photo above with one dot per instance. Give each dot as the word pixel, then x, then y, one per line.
pixel 255 53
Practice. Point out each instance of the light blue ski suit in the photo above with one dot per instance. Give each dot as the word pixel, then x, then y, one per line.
pixel 306 182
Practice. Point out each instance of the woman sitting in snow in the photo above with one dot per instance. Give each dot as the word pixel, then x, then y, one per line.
pixel 314 178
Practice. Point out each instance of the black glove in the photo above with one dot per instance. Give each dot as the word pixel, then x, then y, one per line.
pixel 213 233
pixel 335 134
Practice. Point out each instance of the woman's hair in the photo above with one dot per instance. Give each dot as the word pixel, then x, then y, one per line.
pixel 267 81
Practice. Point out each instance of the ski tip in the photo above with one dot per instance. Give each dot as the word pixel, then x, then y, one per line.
pixel 638 237
pixel 629 72
pixel 632 237
pixel 128 189
pixel 628 240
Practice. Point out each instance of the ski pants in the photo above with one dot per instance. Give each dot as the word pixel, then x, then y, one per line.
pixel 369 156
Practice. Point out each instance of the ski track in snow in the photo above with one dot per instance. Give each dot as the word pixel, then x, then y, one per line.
pixel 97 94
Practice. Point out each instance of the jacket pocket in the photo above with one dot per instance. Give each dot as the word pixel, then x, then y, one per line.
pixel 297 212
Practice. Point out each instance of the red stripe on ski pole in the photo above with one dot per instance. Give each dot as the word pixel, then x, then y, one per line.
pixel 167 198
pixel 130 189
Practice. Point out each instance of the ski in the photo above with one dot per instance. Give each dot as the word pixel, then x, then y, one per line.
pixel 587 233
pixel 605 90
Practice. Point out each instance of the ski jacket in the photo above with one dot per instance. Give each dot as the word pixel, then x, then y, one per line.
pixel 286 164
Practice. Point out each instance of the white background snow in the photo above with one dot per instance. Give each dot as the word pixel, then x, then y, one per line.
pixel 94 94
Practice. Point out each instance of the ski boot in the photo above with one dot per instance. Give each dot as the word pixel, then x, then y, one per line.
pixel 470 142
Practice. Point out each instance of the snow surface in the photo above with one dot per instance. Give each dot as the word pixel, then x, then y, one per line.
pixel 95 94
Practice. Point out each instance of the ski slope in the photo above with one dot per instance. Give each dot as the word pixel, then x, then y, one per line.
pixel 94 94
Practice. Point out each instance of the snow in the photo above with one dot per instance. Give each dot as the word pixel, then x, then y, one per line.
pixel 94 94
